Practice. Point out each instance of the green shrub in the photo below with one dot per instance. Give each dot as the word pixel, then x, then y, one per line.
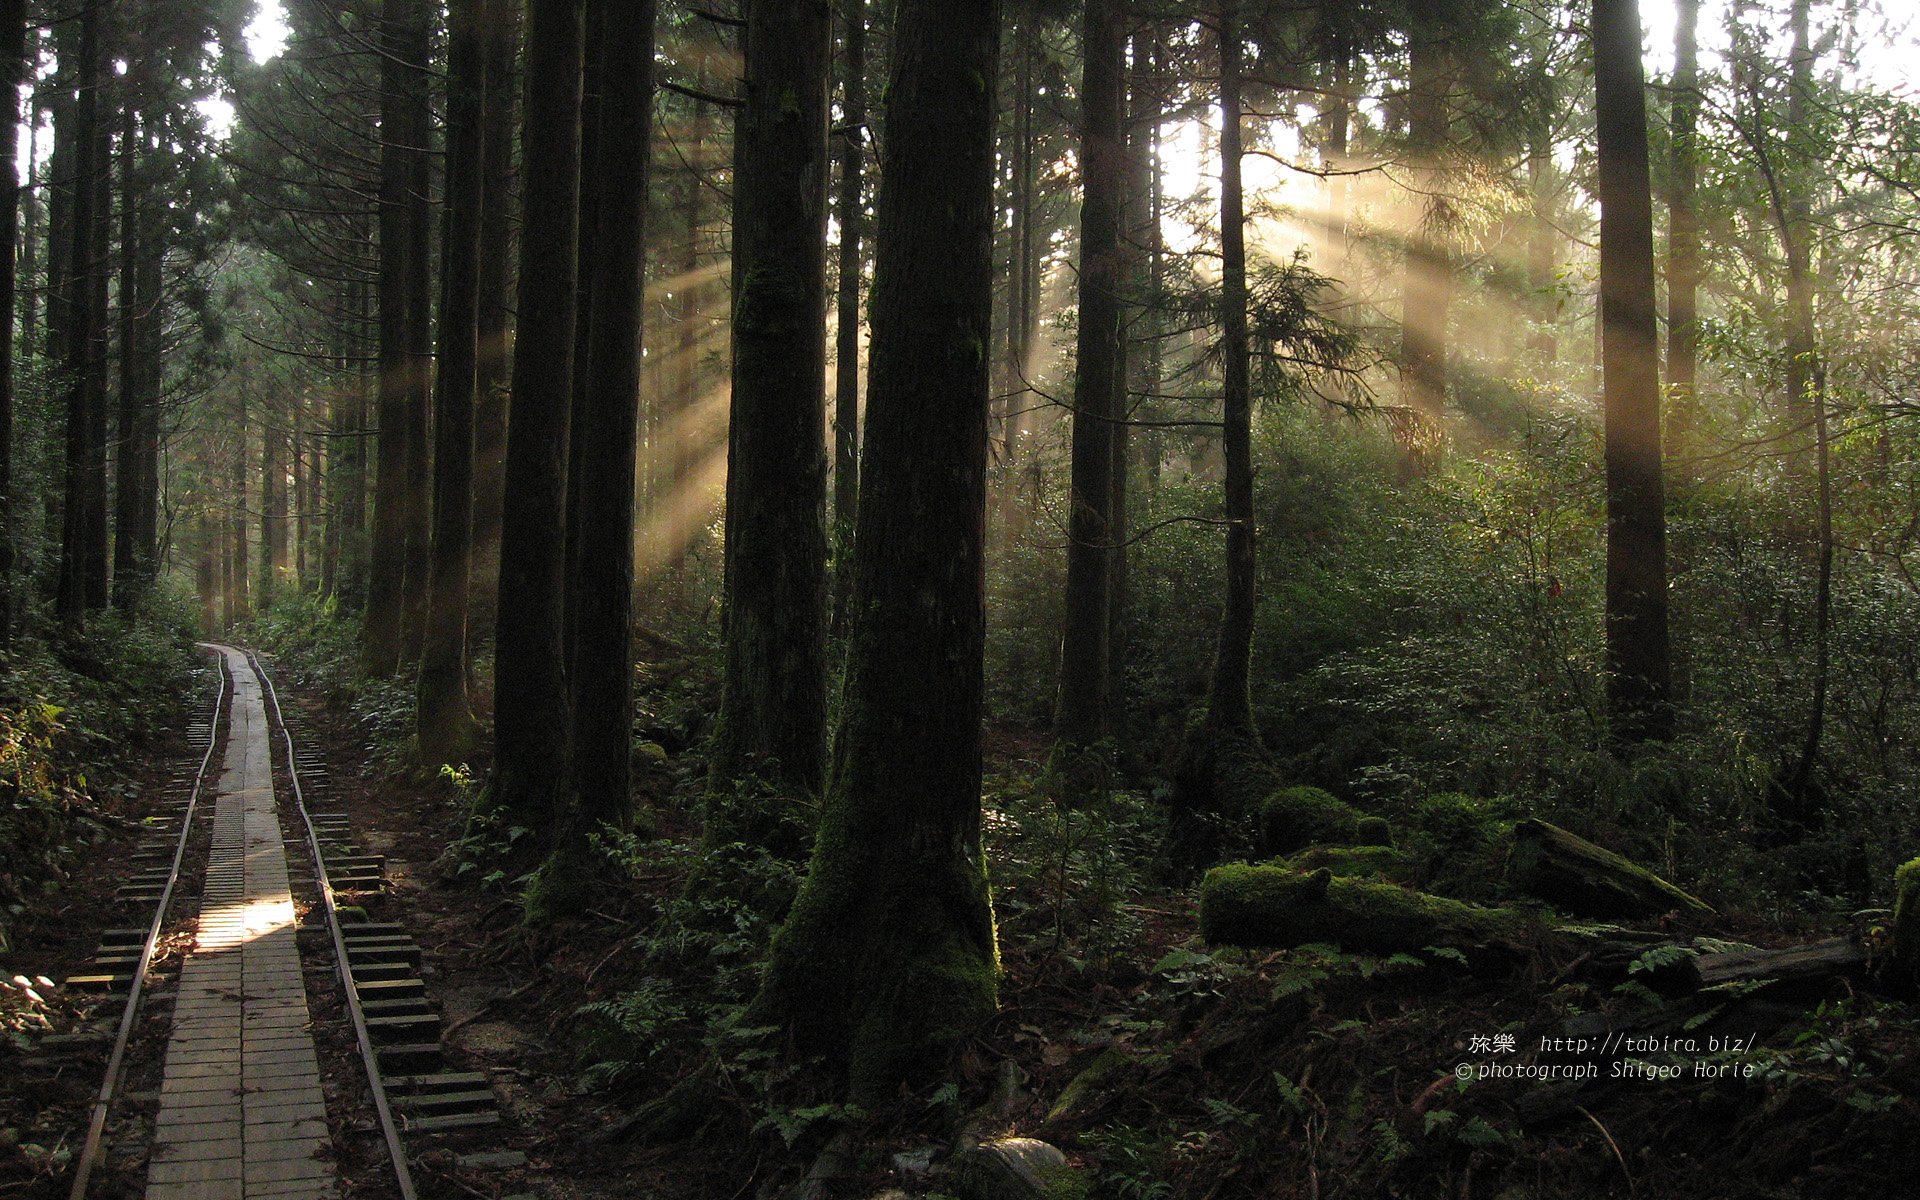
pixel 1294 817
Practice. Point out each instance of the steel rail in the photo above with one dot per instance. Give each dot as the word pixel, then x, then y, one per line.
pixel 116 1061
pixel 396 1150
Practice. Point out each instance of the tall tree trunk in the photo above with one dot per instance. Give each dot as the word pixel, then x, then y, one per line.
pixel 80 329
pixel 1639 703
pixel 95 373
pixel 1015 504
pixel 13 49
pixel 1080 714
pixel 1683 240
pixel 127 574
pixel 501 31
pixel 444 724
pixel 381 647
pixel 888 957
pixel 1221 760
pixel 1229 703
pixel 29 215
pixel 1428 288
pixel 773 706
pixel 273 506
pixel 595 81
pixel 846 377
pixel 1541 239
pixel 236 561
pixel 530 701
pixel 1799 803
pixel 600 572
pixel 416 38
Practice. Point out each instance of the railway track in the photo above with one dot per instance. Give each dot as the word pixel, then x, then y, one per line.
pixel 241 1111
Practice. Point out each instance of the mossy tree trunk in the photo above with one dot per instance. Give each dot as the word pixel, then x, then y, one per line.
pixel 888 956
pixel 773 708
pixel 1639 700
pixel 444 723
pixel 1081 715
pixel 531 702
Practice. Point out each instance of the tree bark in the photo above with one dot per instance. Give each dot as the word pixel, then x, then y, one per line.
pixel 381 647
pixel 530 700
pixel 13 49
pixel 1230 703
pixel 600 573
pixel 773 706
pixel 416 34
pixel 85 467
pixel 1639 700
pixel 1428 288
pixel 851 212
pixel 501 33
pixel 1683 237
pixel 888 957
pixel 444 723
pixel 1080 715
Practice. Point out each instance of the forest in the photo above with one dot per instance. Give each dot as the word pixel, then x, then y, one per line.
pixel 986 599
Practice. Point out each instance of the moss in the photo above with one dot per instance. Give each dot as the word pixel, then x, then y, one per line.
pixel 1304 816
pixel 1269 906
pixel 1096 1078
pixel 1373 831
pixel 1380 863
pixel 1906 924
pixel 883 965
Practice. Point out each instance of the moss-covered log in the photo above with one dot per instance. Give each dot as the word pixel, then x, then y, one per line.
pixel 1578 877
pixel 1276 907
pixel 1379 863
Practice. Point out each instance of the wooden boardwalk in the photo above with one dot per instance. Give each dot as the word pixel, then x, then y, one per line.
pixel 241 1112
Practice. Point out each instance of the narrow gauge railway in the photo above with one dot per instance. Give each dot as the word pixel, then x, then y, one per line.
pixel 240 1111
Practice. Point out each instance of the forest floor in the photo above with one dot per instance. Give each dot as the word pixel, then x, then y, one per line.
pixel 1163 1068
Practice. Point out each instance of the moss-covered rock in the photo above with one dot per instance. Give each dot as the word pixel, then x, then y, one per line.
pixel 1906 925
pixel 1276 907
pixel 1295 817
pixel 1017 1168
pixel 1378 863
pixel 1372 831
pixel 1578 877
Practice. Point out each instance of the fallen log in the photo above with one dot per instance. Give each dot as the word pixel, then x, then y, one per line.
pixel 1791 970
pixel 1578 877
pixel 1274 907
